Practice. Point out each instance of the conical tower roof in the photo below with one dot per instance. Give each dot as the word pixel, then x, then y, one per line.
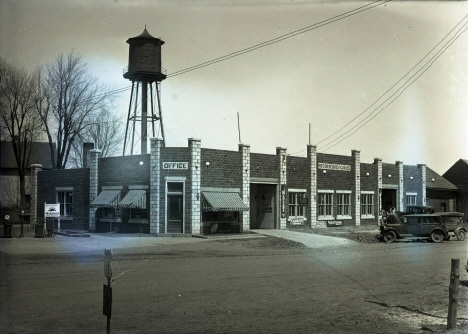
pixel 145 35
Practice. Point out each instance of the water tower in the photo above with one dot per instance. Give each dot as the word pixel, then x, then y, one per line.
pixel 144 69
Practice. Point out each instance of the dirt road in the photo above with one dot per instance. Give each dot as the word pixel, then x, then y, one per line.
pixel 264 285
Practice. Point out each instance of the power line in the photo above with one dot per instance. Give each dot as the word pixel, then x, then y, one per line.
pixel 280 38
pixel 434 58
pixel 343 127
pixel 263 44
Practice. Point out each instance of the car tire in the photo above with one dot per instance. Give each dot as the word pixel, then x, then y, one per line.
pixel 461 235
pixel 389 237
pixel 437 236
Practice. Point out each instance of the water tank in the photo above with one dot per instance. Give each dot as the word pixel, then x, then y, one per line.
pixel 144 59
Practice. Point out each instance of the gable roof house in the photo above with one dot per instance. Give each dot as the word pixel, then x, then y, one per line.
pixel 458 175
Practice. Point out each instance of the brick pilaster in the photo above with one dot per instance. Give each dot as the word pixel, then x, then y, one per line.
pixel 35 169
pixel 155 184
pixel 422 174
pixel 195 215
pixel 400 194
pixel 281 153
pixel 357 188
pixel 312 155
pixel 244 149
pixel 93 184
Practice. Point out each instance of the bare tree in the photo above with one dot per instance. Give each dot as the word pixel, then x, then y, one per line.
pixel 105 132
pixel 69 99
pixel 20 124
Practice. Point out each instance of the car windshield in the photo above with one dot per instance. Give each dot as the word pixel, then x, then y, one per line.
pixel 452 220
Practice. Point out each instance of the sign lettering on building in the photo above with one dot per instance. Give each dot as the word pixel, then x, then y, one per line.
pixel 175 165
pixel 346 168
pixel 283 201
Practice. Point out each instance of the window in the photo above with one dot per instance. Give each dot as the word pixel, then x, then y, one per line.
pixel 325 204
pixel 296 204
pixel 136 213
pixel 65 198
pixel 343 206
pixel 410 199
pixel 367 205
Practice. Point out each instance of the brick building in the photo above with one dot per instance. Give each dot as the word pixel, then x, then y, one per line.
pixel 194 190
pixel 458 175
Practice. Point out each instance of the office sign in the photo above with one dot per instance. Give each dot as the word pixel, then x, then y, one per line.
pixel 345 168
pixel 175 165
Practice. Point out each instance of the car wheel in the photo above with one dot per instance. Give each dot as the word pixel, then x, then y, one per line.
pixel 437 236
pixel 461 235
pixel 389 237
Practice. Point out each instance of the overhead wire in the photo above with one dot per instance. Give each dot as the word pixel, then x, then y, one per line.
pixel 401 89
pixel 263 44
pixel 380 97
pixel 281 38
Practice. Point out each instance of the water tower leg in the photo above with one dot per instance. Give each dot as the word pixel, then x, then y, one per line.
pixel 144 117
pixel 128 118
pixel 160 116
pixel 134 118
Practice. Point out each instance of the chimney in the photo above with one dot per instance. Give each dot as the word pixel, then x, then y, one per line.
pixel 86 148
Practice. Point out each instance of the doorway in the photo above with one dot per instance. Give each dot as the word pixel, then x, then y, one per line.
pixel 263 208
pixel 389 199
pixel 175 207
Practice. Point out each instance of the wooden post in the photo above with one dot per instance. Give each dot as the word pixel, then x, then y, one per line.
pixel 453 294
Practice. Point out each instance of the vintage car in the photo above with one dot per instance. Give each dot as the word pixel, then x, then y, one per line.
pixel 393 217
pixel 455 223
pixel 427 225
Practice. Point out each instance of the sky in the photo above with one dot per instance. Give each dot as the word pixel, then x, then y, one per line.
pixel 299 90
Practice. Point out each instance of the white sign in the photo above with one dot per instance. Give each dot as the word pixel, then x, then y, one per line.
pixel 108 263
pixel 346 168
pixel 175 165
pixel 52 210
pixel 297 221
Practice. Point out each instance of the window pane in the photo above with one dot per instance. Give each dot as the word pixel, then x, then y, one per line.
pixel 175 187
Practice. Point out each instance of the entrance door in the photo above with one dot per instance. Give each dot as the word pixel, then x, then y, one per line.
pixel 263 196
pixel 388 199
pixel 175 213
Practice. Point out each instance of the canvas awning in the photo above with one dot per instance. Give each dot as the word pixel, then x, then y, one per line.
pixel 107 199
pixel 134 199
pixel 222 201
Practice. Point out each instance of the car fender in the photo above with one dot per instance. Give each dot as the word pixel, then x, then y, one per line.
pixel 389 229
pixel 461 228
pixel 444 231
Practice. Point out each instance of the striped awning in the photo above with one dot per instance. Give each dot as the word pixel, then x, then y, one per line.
pixel 107 199
pixel 222 201
pixel 134 199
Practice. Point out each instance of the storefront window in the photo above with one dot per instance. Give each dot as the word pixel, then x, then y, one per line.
pixel 296 208
pixel 343 206
pixel 325 204
pixel 65 198
pixel 367 205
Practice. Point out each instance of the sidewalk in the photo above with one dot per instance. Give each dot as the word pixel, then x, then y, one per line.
pixel 308 239
pixel 97 242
